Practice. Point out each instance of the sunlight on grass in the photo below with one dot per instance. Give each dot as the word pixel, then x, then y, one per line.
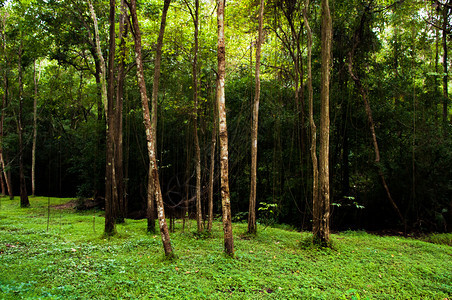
pixel 72 259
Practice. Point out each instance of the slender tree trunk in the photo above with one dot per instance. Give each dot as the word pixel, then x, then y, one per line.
pixel 187 178
pixel 112 121
pixel 24 202
pixel 35 132
pixel 252 228
pixel 150 128
pixel 212 162
pixel 153 128
pixel 3 156
pixel 150 210
pixel 199 218
pixel 9 184
pixel 111 192
pixel 2 163
pixel 119 166
pixel 223 132
pixel 107 93
pixel 315 170
pixel 322 228
pixel 102 66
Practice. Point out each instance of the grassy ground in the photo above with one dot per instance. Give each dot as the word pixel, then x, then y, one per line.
pixel 72 261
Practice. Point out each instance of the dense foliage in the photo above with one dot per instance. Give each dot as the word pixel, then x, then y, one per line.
pixel 398 58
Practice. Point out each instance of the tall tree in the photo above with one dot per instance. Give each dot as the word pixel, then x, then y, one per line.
pixel 252 228
pixel 35 131
pixel 111 190
pixel 102 66
pixel 194 12
pixel 119 163
pixel 213 143
pixel 149 126
pixel 24 201
pixel 223 132
pixel 153 194
pixel 3 156
pixel 315 166
pixel 321 221
pixel 107 94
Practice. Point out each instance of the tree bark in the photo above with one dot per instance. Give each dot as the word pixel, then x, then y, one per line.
pixel 102 66
pixel 150 209
pixel 315 167
pixel 195 17
pixel 252 228
pixel 321 229
pixel 213 143
pixel 150 127
pixel 152 197
pixel 35 131
pixel 107 94
pixel 3 157
pixel 223 132
pixel 24 202
pixel 111 191
pixel 119 163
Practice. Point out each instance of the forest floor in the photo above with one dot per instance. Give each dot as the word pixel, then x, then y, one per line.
pixel 67 257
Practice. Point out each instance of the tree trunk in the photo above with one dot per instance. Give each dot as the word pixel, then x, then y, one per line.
pixel 3 156
pixel 195 16
pixel 35 131
pixel 108 101
pixel 119 163
pixel 223 132
pixel 322 226
pixel 252 228
pixel 150 209
pixel 150 127
pixel 212 162
pixel 110 185
pixel 24 202
pixel 153 127
pixel 315 170
pixel 102 66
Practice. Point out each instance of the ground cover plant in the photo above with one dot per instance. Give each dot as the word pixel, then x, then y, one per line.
pixel 66 256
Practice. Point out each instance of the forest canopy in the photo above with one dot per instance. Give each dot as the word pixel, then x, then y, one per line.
pixel 70 93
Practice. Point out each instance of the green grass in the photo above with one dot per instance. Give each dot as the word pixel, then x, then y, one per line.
pixel 71 261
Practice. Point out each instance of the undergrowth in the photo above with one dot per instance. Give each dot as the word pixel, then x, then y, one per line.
pixel 67 257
